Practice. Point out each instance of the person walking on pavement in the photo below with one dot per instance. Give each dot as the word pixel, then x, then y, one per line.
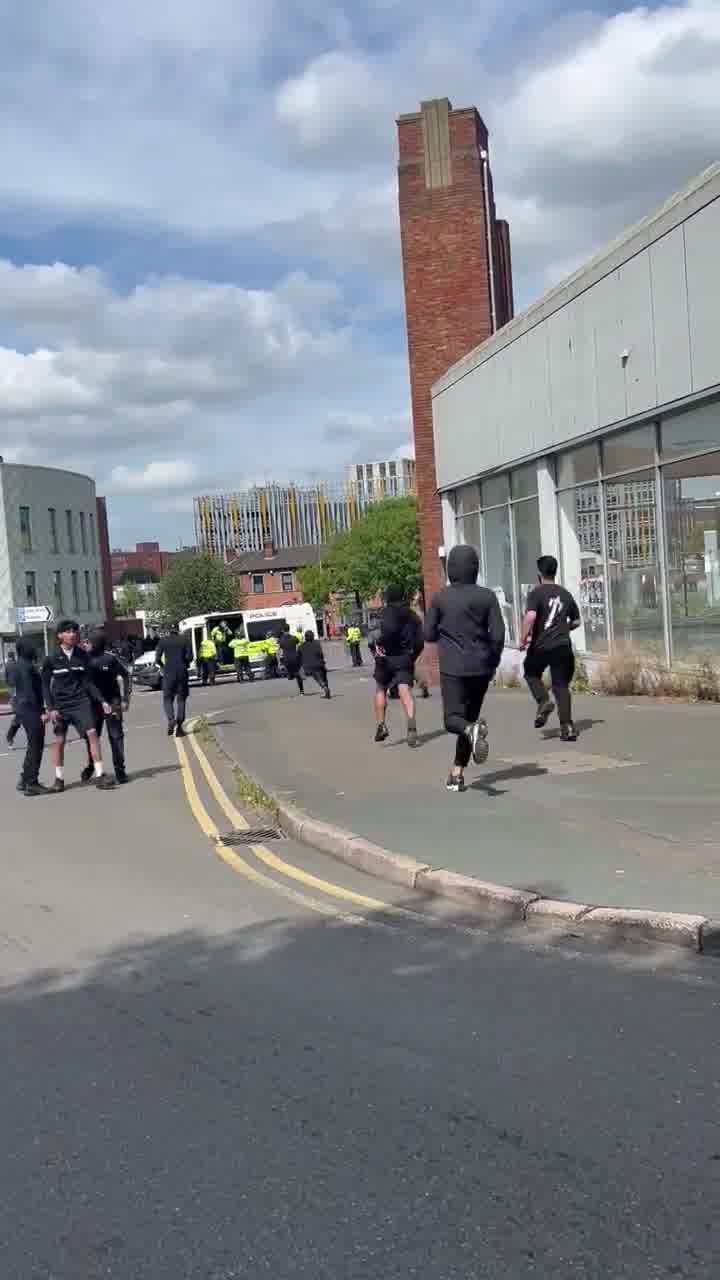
pixel 312 658
pixel 29 709
pixel 551 614
pixel 69 693
pixel 396 645
pixel 174 655
pixel 108 674
pixel 16 723
pixel 240 649
pixel 207 662
pixel 465 622
pixel 354 637
pixel 291 657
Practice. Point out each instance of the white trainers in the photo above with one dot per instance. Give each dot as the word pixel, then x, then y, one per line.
pixel 478 735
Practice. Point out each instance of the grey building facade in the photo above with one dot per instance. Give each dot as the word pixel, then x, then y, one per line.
pixel 589 428
pixel 49 552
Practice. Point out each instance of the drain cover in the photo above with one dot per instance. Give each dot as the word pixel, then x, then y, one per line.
pixel 252 836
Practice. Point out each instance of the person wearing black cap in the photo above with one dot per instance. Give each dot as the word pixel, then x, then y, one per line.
pixel 465 622
pixel 69 693
pixel 174 655
pixel 291 657
pixel 108 674
pixel 313 662
pixel 396 643
pixel 29 709
pixel 551 614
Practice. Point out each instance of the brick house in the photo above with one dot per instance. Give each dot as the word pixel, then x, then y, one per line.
pixel 268 578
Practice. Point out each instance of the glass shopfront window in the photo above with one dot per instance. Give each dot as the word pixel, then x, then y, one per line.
pixel 468 530
pixel 523 482
pixel 691 432
pixel 498 567
pixel 495 491
pixel 578 466
pixel 632 544
pixel 691 494
pixel 628 450
pixel 467 499
pixel 526 516
pixel 582 566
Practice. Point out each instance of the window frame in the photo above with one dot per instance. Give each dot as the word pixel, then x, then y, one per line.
pixel 255 578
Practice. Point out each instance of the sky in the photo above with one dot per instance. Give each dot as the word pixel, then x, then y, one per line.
pixel 200 283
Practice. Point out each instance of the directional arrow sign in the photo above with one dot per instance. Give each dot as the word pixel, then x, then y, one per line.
pixel 34 613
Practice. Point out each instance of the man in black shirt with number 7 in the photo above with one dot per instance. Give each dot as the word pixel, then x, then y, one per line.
pixel 551 614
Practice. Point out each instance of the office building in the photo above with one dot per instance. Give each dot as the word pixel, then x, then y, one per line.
pixel 392 478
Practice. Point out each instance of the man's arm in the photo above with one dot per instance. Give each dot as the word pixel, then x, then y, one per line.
pixel 496 629
pixel 46 675
pixel 121 673
pixel 91 687
pixel 432 622
pixel 528 622
pixel 574 619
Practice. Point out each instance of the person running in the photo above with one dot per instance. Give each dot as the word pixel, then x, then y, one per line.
pixel 108 674
pixel 551 614
pixel 29 709
pixel 291 657
pixel 313 662
pixel 396 644
pixel 465 622
pixel 16 723
pixel 69 692
pixel 174 655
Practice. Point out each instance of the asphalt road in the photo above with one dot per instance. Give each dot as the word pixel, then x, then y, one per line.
pixel 216 1073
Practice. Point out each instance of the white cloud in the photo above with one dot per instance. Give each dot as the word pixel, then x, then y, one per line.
pixel 338 109
pixel 155 477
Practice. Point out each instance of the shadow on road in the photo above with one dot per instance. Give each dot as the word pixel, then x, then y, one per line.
pixel 487 781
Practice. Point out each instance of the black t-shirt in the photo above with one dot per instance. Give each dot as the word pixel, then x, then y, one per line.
pixel 555 611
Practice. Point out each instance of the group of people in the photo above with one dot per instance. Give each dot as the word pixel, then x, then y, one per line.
pixel 80 686
pixel 465 622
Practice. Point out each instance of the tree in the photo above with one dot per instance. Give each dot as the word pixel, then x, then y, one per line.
pixel 138 575
pixel 200 584
pixel 129 600
pixel 383 548
pixel 315 584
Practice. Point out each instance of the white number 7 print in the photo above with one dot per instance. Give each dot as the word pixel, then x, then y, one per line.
pixel 553 611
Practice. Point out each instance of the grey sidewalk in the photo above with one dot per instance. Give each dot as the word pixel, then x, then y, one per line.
pixel 629 816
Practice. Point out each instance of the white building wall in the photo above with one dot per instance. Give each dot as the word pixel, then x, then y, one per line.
pixel 41 488
pixel 630 334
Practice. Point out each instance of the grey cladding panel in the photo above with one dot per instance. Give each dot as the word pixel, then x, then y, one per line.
pixel 604 302
pixel 637 334
pixel 702 241
pixel 670 314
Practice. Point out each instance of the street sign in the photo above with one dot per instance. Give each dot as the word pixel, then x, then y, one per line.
pixel 34 613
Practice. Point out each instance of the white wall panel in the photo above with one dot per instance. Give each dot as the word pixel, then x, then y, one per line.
pixel 702 249
pixel 670 317
pixel 636 330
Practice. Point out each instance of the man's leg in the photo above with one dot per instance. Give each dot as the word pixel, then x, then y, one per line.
pixel 213 670
pixel 15 726
pixel 169 706
pixel 116 736
pixel 203 671
pixel 35 734
pixel 408 706
pixel 57 754
pixel 238 671
pixel 181 698
pixel 453 694
pixel 562 670
pixel 535 666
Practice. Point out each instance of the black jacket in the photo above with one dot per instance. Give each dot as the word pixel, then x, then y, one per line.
pixel 27 686
pixel 177 654
pixel 290 651
pixel 66 680
pixel 465 621
pixel 312 656
pixel 399 634
pixel 105 671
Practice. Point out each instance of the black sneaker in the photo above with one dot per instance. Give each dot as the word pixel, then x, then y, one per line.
pixel 35 789
pixel 58 785
pixel 21 785
pixel 544 713
pixel 568 733
pixel 87 774
pixel 170 730
pixel 381 733
pixel 180 732
pixel 455 782
pixel 121 777
pixel 103 783
pixel 424 691
pixel 478 735
pixel 412 736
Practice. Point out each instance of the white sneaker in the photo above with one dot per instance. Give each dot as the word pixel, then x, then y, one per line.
pixel 478 735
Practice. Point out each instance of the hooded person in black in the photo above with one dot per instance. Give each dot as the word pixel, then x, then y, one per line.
pixel 291 657
pixel 29 708
pixel 312 658
pixel 396 644
pixel 465 622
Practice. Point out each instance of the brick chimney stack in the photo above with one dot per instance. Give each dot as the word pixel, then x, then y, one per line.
pixel 457 273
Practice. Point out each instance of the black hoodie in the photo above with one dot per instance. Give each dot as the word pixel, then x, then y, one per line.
pixel 465 621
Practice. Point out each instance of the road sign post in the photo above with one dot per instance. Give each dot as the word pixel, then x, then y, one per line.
pixel 33 613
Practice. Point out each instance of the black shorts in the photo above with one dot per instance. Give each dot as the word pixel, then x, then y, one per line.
pixel 392 672
pixel 560 660
pixel 80 716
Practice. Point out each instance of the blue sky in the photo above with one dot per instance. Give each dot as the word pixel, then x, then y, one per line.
pixel 199 258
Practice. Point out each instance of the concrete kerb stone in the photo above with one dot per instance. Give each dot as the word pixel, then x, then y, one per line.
pixel 631 924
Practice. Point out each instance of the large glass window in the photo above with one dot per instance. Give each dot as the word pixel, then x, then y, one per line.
pixel 52 521
pixel 582 569
pixel 25 529
pixel 495 491
pixel 498 567
pixel 468 530
pixel 83 533
pixel 88 593
pixel 75 591
pixel 58 593
pixel 70 530
pixel 527 543
pixel 692 431
pixel 30 589
pixel 633 563
pixel 628 450
pixel 524 481
pixel 467 499
pixel 578 466
pixel 692 523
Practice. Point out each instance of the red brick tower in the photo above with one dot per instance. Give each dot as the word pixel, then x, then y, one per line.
pixel 457 270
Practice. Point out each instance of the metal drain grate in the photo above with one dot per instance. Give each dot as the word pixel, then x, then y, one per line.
pixel 254 836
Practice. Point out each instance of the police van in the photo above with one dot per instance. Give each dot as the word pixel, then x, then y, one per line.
pixel 254 625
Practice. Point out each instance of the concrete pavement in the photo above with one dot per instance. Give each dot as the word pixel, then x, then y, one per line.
pixel 205 1077
pixel 629 816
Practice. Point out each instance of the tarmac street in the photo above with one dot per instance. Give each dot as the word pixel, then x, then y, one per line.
pixel 227 1055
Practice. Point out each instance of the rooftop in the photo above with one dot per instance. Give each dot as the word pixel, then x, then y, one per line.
pixel 283 558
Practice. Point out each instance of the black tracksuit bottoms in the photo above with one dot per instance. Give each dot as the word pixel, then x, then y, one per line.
pixel 561 661
pixel 31 722
pixel 462 699
pixel 175 694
